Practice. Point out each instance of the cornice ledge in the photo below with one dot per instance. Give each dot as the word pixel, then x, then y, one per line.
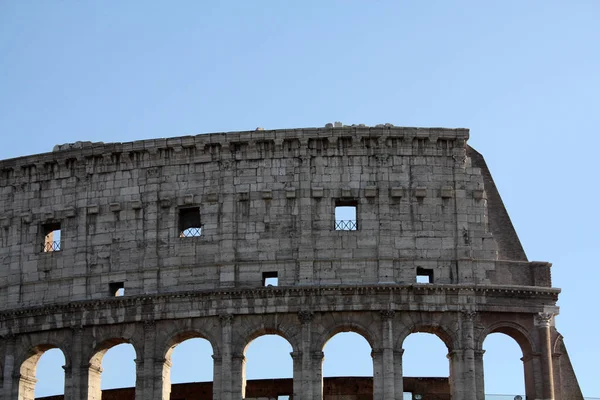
pixel 132 301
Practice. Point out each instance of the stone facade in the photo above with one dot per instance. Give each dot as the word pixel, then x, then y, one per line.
pixel 189 229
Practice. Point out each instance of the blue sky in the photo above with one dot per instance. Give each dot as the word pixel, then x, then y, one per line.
pixel 523 76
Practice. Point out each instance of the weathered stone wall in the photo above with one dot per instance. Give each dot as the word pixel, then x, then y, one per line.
pixel 266 201
pixel 265 204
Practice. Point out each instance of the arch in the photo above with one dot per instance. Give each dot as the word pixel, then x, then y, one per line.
pixel 241 344
pixel 439 330
pixel 516 331
pixel 353 363
pixel 178 337
pixel 348 326
pixel 166 351
pixel 28 362
pixel 102 347
pixel 521 335
pixel 95 363
pixel 501 358
pixel 249 339
pixel 558 343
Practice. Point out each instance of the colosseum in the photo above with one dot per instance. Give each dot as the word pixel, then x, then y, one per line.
pixel 230 236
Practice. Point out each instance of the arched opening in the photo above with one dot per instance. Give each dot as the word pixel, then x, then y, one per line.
pixel 267 357
pixel 503 366
pixel 112 366
pixel 425 366
pixel 348 354
pixel 42 373
pixel 189 360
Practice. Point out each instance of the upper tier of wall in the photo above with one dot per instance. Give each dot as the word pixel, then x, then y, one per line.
pixel 266 201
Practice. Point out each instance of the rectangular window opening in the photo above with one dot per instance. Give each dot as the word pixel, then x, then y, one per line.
pixel 424 275
pixel 270 278
pixel 189 222
pixel 51 237
pixel 345 216
pixel 116 289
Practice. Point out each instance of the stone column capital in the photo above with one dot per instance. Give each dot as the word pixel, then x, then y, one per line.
pixel 376 352
pixel 387 314
pixel 543 319
pixel 399 352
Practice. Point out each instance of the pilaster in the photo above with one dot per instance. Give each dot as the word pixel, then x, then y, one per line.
pixel 146 372
pixel 303 384
pixel 9 368
pixel 388 367
pixel 76 375
pixel 543 323
pixel 398 375
pixel 226 362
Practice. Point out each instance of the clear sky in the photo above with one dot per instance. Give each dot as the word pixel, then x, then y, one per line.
pixel 522 75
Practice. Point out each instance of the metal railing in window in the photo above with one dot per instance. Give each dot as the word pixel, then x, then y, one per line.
pixel 345 225
pixel 51 246
pixel 191 232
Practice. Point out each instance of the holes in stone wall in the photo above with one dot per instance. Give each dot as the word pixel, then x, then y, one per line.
pixel 189 222
pixel 345 215
pixel 51 237
pixel 270 278
pixel 116 289
pixel 424 275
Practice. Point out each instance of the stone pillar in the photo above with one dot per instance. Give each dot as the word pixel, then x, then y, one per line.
pixel 377 355
pixel 146 372
pixel 238 376
pixel 456 373
pixel 543 322
pixel 479 375
pixel 468 379
pixel 532 371
pixel 76 374
pixel 388 373
pixel 217 377
pixel 297 392
pixel 226 361
pixel 162 378
pixel 27 387
pixel 303 384
pixel 9 368
pixel 317 358
pixel 398 374
pixel 94 374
